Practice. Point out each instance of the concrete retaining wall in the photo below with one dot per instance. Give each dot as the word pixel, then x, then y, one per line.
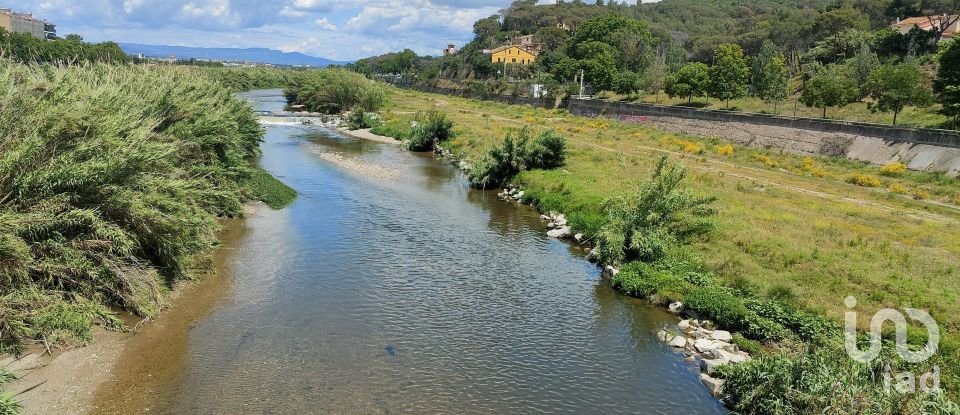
pixel 945 138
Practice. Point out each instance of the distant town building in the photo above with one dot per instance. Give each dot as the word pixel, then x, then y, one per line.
pixel 450 50
pixel 512 54
pixel 928 23
pixel 14 22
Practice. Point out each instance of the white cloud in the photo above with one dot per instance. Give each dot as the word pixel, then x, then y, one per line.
pixel 330 28
pixel 325 24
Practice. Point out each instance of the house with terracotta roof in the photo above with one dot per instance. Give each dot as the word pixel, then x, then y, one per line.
pixel 928 23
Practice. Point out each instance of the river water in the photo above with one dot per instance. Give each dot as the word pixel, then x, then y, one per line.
pixel 390 286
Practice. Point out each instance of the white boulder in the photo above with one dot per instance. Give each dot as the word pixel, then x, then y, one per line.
pixel 561 232
pixel 683 325
pixel 675 308
pixel 678 342
pixel 721 335
pixel 714 385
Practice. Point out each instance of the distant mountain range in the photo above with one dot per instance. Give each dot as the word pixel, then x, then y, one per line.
pixel 258 55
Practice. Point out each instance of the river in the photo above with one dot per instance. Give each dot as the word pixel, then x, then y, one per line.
pixel 395 288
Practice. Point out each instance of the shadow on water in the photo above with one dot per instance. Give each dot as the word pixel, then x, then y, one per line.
pixel 411 294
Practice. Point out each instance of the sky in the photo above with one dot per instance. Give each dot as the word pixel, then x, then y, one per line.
pixel 340 30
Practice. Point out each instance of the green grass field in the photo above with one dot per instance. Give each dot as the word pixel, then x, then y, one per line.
pixel 787 224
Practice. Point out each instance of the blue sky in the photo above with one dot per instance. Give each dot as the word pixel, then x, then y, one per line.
pixel 329 28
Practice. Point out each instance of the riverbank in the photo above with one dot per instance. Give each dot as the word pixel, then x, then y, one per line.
pixel 791 230
pixel 88 379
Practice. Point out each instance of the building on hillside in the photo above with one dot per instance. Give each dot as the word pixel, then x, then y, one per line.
pixel 450 50
pixel 928 23
pixel 14 22
pixel 512 54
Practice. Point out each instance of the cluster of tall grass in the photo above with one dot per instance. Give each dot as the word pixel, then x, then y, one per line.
pixel 360 119
pixel 111 182
pixel 334 91
pixel 246 79
pixel 517 154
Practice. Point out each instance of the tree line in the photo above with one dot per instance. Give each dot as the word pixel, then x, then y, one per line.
pixel 23 47
pixel 825 53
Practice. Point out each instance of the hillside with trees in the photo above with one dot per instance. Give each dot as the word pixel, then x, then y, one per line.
pixel 824 54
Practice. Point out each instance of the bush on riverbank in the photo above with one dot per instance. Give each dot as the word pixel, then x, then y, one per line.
pixel 111 182
pixel 432 129
pixel 514 155
pixel 661 214
pixel 334 91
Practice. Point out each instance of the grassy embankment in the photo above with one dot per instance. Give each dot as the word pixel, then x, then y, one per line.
pixel 790 229
pixel 111 182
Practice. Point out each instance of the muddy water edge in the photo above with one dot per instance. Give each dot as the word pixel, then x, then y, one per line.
pixel 390 286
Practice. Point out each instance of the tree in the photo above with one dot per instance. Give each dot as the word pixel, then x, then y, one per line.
pixel 947 85
pixel 830 87
pixel 774 81
pixel 599 71
pixel 833 22
pixel 729 74
pixel 690 81
pixel 897 86
pixel 657 76
pixel 759 63
pixel 627 83
pixel 862 66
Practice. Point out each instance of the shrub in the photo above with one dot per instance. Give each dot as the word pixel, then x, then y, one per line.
pixel 515 155
pixel 726 150
pixel 955 200
pixel 769 162
pixel 333 91
pixel 728 310
pixel 919 193
pixel 810 166
pixel 897 188
pixel 863 180
pixel 893 169
pixel 547 151
pixel 659 216
pixel 360 119
pixel 432 129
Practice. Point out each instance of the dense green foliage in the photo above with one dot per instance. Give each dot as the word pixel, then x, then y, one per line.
pixel 894 87
pixel 111 182
pixel 359 119
pixel 661 214
pixel 25 48
pixel 690 81
pixel 262 186
pixel 517 154
pixel 432 129
pixel 753 48
pixel 246 79
pixel 334 91
pixel 947 84
pixel 823 380
pixel 730 74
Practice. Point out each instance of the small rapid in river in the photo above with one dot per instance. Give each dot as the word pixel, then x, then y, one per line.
pixel 405 292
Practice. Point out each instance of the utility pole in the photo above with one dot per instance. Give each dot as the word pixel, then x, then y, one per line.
pixel 581 84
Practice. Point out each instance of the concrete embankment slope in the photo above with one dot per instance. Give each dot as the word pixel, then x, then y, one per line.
pixel 919 149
